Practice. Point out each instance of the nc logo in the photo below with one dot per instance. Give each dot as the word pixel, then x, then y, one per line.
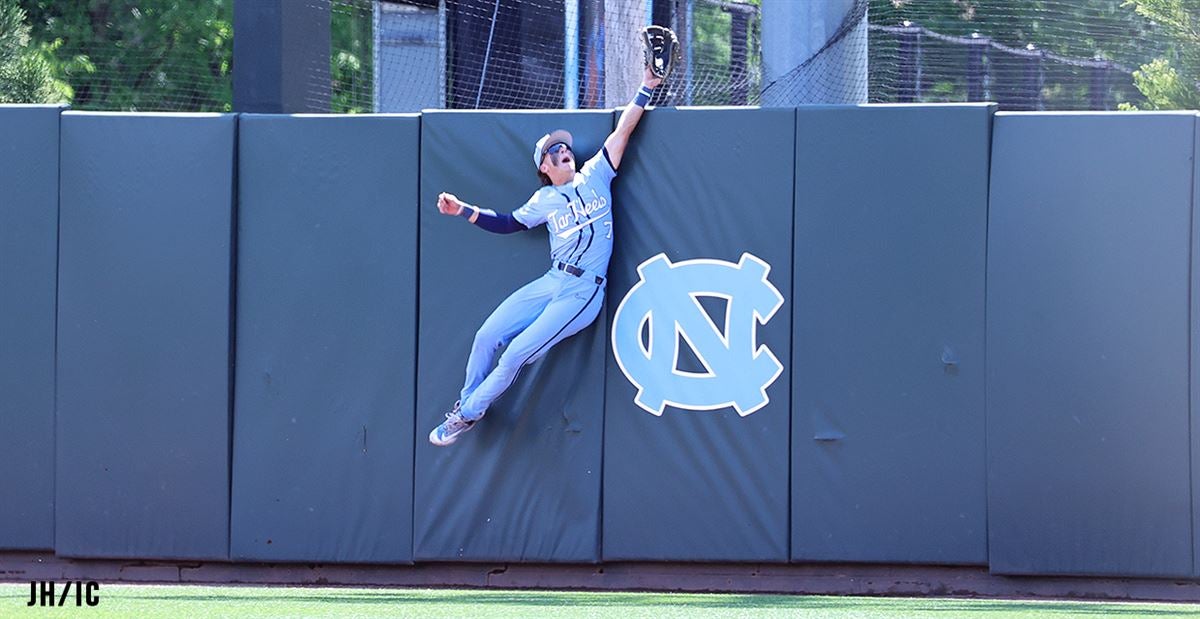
pixel 666 303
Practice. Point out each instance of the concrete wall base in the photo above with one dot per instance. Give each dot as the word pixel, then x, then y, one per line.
pixel 809 579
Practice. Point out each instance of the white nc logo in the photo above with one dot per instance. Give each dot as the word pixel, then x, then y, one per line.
pixel 666 302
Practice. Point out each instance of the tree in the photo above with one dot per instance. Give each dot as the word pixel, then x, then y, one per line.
pixel 25 73
pixel 1172 84
pixel 176 55
pixel 712 49
pixel 351 69
pixel 173 55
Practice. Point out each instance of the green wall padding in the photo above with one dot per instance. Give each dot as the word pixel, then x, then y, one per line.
pixel 326 338
pixel 28 265
pixel 143 336
pixel 691 484
pixel 888 449
pixel 1087 336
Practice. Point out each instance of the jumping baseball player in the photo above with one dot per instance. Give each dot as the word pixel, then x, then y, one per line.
pixel 576 207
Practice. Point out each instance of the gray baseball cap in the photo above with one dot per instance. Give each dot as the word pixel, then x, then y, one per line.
pixel 548 140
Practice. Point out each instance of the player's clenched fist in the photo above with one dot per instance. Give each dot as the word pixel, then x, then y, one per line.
pixel 448 204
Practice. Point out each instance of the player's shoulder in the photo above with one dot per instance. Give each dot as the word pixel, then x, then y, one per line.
pixel 598 162
pixel 546 195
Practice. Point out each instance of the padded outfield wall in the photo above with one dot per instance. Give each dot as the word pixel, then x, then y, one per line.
pixel 890 334
pixel 28 271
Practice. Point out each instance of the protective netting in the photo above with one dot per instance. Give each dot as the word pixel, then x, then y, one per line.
pixel 407 55
pixel 1023 54
pixel 550 53
pixel 835 72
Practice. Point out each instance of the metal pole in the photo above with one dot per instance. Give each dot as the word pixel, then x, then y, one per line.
pixel 571 53
pixel 443 16
pixel 975 67
pixel 1031 91
pixel 281 56
pixel 487 55
pixel 906 91
pixel 376 46
pixel 686 40
pixel 1098 87
pixel 739 31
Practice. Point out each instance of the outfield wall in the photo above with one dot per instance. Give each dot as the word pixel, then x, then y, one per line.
pixel 28 261
pixel 905 334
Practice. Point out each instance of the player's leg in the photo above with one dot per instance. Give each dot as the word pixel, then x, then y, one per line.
pixel 511 317
pixel 513 314
pixel 568 313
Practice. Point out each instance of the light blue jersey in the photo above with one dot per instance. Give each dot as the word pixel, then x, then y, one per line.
pixel 578 216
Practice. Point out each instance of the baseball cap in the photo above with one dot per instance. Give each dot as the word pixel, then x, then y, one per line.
pixel 548 140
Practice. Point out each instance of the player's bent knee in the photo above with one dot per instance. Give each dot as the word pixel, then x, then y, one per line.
pixel 487 339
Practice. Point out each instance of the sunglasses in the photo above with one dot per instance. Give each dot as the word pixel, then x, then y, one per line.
pixel 556 148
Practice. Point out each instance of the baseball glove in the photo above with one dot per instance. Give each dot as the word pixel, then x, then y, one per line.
pixel 661 49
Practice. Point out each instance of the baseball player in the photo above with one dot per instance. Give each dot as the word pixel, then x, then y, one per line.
pixel 576 207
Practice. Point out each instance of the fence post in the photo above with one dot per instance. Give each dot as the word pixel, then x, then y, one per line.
pixel 909 60
pixel 281 56
pixel 975 71
pixel 739 42
pixel 1098 87
pixel 1031 84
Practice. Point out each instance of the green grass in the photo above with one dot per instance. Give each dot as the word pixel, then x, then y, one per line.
pixel 195 602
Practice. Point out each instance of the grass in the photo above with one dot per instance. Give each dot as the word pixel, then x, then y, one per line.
pixel 198 602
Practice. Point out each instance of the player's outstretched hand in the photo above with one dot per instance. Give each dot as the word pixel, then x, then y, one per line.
pixel 650 79
pixel 449 204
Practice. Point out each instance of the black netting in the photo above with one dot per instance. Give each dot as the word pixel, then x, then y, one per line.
pixel 915 64
pixel 576 54
pixel 835 72
pixel 409 55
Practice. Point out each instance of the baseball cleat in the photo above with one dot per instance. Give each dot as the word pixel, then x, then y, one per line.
pixel 449 430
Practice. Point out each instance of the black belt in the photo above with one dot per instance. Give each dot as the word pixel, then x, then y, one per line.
pixel 576 271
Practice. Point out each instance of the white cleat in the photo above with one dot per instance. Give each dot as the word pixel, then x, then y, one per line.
pixel 449 430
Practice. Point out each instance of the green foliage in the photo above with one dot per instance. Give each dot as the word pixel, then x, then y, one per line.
pixel 711 29
pixel 139 54
pixel 711 47
pixel 1172 84
pixel 26 75
pixel 352 70
pixel 175 55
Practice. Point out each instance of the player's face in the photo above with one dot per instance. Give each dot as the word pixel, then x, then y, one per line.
pixel 560 154
pixel 559 162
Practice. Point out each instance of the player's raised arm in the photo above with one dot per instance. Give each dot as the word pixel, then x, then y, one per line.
pixel 662 51
pixel 619 138
pixel 449 204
